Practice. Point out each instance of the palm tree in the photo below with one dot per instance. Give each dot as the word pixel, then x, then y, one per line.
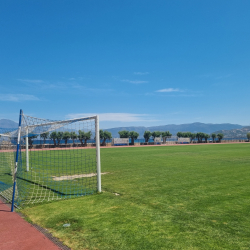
pixel 220 136
pixel 66 136
pixel 202 135
pixel 166 135
pixel 53 136
pixel 213 136
pixel 87 136
pixel 44 135
pixel 156 134
pixel 124 134
pixel 179 134
pixel 206 136
pixel 248 136
pixel 73 136
pixel 84 136
pixel 80 136
pixel 198 136
pixel 133 135
pixel 147 135
pixel 105 135
pixel 30 139
pixel 192 136
pixel 59 137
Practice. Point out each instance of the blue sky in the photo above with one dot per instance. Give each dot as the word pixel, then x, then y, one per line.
pixel 137 62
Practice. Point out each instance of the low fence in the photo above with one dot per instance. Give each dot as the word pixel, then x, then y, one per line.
pixel 91 143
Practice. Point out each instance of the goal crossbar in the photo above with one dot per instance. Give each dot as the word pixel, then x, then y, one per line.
pixel 5 135
pixel 65 121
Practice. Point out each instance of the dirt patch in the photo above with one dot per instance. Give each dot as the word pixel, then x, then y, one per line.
pixel 72 177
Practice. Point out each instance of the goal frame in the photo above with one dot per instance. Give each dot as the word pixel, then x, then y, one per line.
pixel 25 132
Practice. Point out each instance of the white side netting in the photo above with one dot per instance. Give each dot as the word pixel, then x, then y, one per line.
pixel 157 140
pixel 7 158
pixel 183 140
pixel 120 141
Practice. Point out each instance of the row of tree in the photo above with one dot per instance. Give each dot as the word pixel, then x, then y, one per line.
pixel 126 134
pixel 200 136
pixel 82 136
pixel 147 135
pixel 58 136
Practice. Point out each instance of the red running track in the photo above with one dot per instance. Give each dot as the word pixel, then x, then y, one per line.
pixel 18 234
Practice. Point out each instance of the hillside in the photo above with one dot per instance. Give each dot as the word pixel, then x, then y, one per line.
pixel 173 128
pixel 235 133
pixel 5 123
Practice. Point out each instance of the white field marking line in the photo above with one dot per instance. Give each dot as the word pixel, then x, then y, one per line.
pixel 71 177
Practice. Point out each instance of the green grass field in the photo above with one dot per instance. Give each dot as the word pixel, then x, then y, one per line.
pixel 6 164
pixel 175 197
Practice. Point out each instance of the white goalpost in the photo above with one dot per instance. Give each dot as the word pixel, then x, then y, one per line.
pixel 27 149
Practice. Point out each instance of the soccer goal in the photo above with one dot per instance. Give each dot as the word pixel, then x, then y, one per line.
pixel 57 159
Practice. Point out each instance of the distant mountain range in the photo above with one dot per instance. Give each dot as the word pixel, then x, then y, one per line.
pixel 228 129
pixel 5 123
pixel 235 133
pixel 174 129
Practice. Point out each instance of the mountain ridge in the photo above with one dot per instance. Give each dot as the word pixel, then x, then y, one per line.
pixel 6 123
pixel 172 128
pixel 235 133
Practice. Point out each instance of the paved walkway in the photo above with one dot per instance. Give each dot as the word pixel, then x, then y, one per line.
pixel 18 234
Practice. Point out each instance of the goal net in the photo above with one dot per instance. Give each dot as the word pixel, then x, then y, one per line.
pixel 7 156
pixel 57 159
